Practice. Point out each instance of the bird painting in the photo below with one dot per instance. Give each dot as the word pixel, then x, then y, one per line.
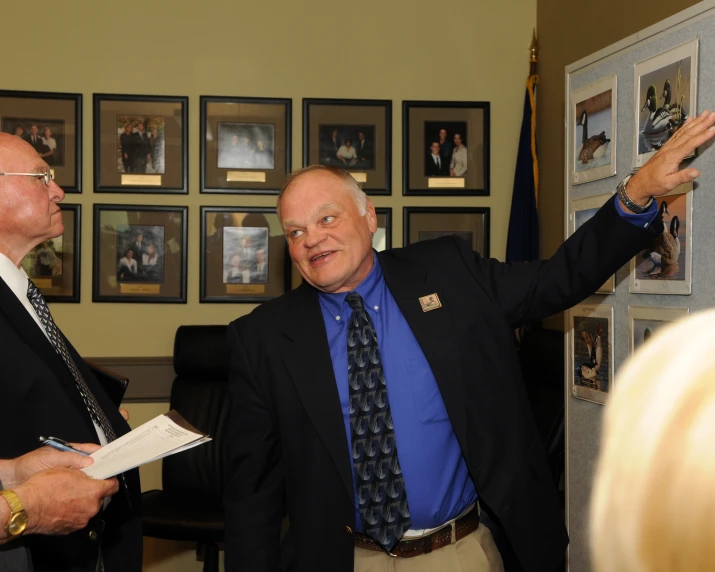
pixel 591 147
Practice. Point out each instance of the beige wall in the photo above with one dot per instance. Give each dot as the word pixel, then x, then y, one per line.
pixel 371 49
pixel 569 31
pixel 419 49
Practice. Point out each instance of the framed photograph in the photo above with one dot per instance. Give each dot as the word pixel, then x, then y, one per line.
pixel 382 239
pixel 52 124
pixel 244 255
pixel 352 134
pixel 245 144
pixel 54 265
pixel 665 94
pixel 140 144
pixel 471 224
pixel 644 321
pixel 590 351
pixel 583 210
pixel 139 254
pixel 666 267
pixel 594 125
pixel 445 148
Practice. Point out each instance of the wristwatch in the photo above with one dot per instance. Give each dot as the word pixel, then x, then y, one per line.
pixel 17 522
pixel 626 200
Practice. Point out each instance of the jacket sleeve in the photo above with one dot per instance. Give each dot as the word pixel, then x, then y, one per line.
pixel 254 496
pixel 530 291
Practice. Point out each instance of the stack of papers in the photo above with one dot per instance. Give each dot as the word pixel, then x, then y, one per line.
pixel 162 436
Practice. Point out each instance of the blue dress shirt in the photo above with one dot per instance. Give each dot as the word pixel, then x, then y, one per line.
pixel 436 477
pixel 437 481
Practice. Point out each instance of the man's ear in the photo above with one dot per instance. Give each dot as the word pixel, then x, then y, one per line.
pixel 371 216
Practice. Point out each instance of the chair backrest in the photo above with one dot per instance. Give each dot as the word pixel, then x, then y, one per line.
pixel 200 394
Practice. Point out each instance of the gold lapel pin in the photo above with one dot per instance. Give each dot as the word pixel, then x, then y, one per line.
pixel 430 302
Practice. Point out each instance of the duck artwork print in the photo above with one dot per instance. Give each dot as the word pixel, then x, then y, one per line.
pixel 593 135
pixel 591 353
pixel 665 258
pixel 664 104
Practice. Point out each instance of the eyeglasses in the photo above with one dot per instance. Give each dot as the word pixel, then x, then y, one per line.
pixel 47 176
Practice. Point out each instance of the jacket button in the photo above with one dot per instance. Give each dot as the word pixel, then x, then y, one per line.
pixel 348 530
pixel 93 535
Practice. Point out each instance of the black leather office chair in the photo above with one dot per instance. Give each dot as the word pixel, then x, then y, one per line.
pixel 190 506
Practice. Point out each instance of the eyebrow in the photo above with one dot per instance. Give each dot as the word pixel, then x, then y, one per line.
pixel 314 214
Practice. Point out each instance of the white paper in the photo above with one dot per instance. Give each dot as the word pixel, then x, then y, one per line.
pixel 162 436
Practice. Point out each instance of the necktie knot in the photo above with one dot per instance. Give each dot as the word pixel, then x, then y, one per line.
pixel 355 301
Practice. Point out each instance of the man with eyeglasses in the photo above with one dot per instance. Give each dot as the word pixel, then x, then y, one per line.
pixel 47 389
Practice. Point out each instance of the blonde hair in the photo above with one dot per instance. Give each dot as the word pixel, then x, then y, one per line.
pixel 351 185
pixel 654 494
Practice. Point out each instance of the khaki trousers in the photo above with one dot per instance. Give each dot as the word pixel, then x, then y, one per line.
pixel 473 553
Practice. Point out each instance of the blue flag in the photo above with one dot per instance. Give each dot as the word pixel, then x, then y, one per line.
pixel 523 238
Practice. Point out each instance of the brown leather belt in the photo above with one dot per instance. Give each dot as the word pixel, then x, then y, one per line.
pixel 443 537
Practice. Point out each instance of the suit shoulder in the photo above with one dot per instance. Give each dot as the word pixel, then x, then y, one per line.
pixel 268 314
pixel 423 250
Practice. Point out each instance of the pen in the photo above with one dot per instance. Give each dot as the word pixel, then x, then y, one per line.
pixel 60 445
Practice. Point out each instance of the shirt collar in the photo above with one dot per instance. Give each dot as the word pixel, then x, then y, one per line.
pixel 14 277
pixel 370 289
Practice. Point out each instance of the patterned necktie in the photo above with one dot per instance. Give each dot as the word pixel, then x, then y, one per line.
pixel 58 342
pixel 382 498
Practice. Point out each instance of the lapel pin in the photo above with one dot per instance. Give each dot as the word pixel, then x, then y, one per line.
pixel 430 302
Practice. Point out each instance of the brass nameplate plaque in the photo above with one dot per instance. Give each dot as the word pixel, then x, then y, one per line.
pixel 245 288
pixel 142 180
pixel 43 282
pixel 140 288
pixel 360 177
pixel 246 177
pixel 445 183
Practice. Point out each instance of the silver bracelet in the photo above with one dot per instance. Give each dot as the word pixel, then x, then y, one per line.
pixel 627 201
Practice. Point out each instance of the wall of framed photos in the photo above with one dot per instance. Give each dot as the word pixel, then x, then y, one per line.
pixel 317 50
pixel 614 91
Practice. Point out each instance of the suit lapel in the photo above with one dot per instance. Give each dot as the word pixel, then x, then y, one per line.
pixel 311 369
pixel 433 330
pixel 29 331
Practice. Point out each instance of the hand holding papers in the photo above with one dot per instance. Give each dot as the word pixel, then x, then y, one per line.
pixel 162 436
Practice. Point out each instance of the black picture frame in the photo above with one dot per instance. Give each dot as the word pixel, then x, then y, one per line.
pixel 373 172
pixel 422 122
pixel 163 278
pixel 167 172
pixel 215 284
pixel 434 222
pixel 20 107
pixel 252 116
pixel 384 213
pixel 56 271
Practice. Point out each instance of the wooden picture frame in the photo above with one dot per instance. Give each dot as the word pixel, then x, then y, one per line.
pixel 382 239
pixel 61 113
pixel 244 255
pixel 140 144
pixel 469 223
pixel 461 130
pixel 245 144
pixel 139 253
pixel 351 134
pixel 54 265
